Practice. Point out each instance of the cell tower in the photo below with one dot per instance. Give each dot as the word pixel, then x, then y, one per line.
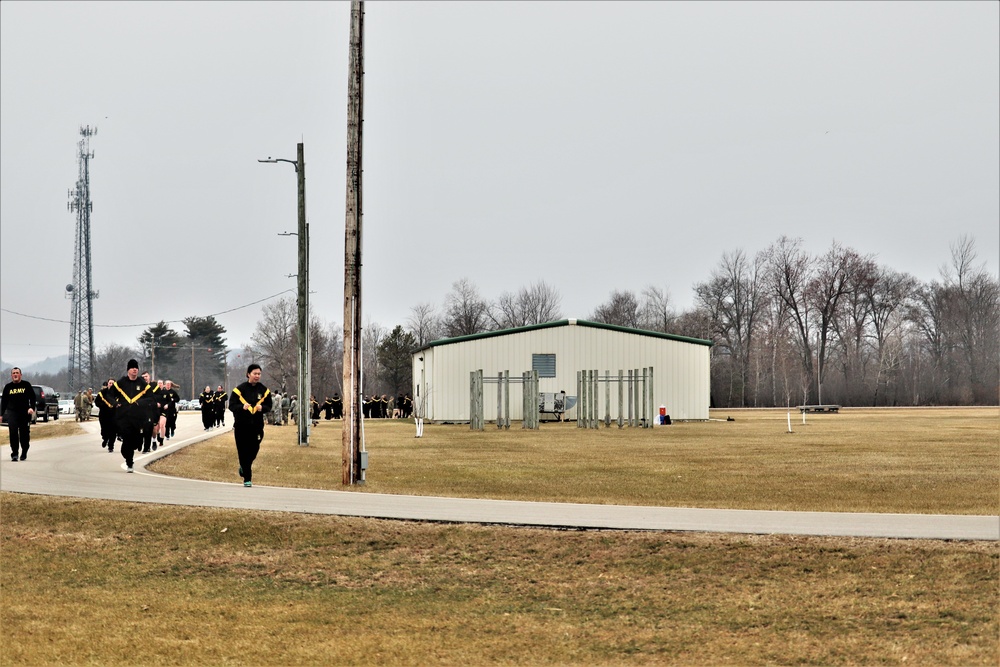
pixel 80 291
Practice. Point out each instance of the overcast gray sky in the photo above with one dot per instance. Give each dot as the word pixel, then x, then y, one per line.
pixel 593 145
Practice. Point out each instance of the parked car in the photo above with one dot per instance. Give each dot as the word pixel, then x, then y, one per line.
pixel 65 407
pixel 46 403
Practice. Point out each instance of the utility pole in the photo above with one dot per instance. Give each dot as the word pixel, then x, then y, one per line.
pixel 304 382
pixel 305 386
pixel 351 433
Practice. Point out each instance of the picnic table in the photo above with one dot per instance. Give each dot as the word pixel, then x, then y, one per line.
pixel 819 408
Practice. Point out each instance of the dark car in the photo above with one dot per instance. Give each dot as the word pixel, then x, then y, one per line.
pixel 46 403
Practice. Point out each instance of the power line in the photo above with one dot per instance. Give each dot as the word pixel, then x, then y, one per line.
pixel 145 324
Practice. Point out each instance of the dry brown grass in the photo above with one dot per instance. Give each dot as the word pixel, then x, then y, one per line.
pixel 938 461
pixel 106 583
pixel 44 430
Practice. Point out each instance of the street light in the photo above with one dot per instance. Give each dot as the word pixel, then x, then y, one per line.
pixel 305 388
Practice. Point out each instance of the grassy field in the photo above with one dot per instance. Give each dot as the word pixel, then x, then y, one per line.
pixel 43 431
pixel 106 583
pixel 937 461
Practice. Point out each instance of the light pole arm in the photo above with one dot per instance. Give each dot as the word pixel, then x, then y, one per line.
pixel 294 163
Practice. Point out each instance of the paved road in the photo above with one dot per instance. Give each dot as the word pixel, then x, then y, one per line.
pixel 78 467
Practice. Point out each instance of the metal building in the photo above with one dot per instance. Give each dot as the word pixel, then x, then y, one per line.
pixel 558 350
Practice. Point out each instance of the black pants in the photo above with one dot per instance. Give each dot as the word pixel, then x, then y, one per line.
pixel 147 435
pixel 171 424
pixel 207 418
pixel 131 441
pixel 19 427
pixel 108 431
pixel 248 439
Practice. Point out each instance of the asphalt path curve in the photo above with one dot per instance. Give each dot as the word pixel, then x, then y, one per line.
pixel 78 467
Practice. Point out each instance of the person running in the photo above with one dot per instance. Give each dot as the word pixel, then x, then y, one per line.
pixel 151 428
pixel 220 406
pixel 207 401
pixel 106 416
pixel 131 410
pixel 249 403
pixel 17 407
pixel 170 399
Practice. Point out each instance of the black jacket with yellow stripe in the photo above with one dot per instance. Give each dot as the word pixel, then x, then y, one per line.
pixel 252 395
pixel 132 398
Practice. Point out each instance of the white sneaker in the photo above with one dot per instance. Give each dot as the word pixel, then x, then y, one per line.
pixel 128 469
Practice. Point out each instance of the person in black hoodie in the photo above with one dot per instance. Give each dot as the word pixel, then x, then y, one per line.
pixel 249 403
pixel 106 402
pixel 131 410
pixel 170 399
pixel 17 406
pixel 207 401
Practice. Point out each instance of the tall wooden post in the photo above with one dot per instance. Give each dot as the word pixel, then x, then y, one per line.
pixel 305 385
pixel 351 443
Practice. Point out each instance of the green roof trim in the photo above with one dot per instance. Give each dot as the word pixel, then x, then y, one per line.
pixel 565 323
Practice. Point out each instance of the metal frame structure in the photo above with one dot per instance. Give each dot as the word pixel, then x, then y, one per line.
pixel 81 291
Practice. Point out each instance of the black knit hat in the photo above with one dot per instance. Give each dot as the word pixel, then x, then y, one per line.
pixel 132 363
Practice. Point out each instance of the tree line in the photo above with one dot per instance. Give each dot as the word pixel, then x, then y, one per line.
pixel 793 328
pixel 787 328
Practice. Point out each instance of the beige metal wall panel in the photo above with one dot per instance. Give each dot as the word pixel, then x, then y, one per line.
pixel 680 382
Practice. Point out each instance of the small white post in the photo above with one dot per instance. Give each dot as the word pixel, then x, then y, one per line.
pixel 790 421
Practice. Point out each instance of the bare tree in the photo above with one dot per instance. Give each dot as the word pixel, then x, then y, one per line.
pixel 465 311
pixel 534 304
pixel 974 317
pixel 735 298
pixel 850 326
pixel 656 309
pixel 423 324
pixel 110 361
pixel 789 272
pixel 888 296
pixel 371 340
pixel 327 359
pixel 621 309
pixel 274 343
pixel 826 289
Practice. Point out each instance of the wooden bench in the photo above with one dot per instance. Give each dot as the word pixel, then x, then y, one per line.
pixel 819 408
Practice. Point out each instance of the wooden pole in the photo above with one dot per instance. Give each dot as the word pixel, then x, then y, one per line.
pixel 305 387
pixel 351 439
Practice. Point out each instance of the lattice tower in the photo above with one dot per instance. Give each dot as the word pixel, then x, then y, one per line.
pixel 80 291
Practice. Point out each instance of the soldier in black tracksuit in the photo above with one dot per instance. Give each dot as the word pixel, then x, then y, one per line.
pixel 106 402
pixel 220 406
pixel 249 403
pixel 169 400
pixel 152 402
pixel 207 401
pixel 17 406
pixel 132 410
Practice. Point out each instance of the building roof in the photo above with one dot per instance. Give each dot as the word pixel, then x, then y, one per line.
pixel 564 323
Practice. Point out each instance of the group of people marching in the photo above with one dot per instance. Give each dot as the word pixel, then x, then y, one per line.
pixel 148 415
pixel 142 415
pixel 383 407
pixel 213 407
pixel 372 407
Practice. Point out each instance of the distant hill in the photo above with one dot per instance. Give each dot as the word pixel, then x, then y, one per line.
pixel 51 365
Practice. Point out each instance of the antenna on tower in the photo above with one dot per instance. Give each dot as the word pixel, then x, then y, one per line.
pixel 81 291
